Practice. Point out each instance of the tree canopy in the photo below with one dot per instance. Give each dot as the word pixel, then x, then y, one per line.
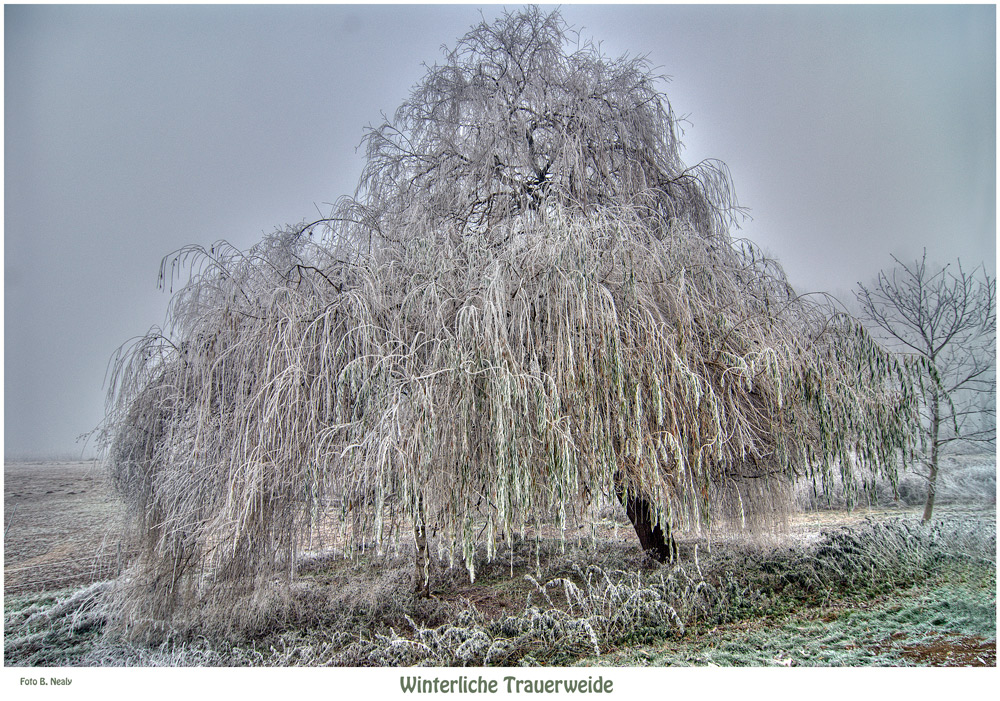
pixel 529 305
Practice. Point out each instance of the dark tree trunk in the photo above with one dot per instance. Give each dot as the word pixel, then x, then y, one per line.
pixel 658 545
pixel 421 575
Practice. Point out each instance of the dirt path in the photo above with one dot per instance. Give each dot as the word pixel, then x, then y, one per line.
pixel 56 518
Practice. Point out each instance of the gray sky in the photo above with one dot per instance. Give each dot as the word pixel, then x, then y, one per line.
pixel 852 133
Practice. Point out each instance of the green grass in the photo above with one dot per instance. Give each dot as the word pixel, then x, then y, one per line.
pixel 959 602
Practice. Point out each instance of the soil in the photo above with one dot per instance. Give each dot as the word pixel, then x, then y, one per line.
pixel 951 650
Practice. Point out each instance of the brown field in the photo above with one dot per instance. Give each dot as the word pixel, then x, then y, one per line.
pixel 57 516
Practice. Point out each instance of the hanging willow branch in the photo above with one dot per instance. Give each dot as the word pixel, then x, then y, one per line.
pixel 529 302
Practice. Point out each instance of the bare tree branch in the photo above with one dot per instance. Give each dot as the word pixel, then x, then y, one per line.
pixel 946 316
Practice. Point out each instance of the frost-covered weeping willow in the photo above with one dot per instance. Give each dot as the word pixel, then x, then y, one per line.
pixel 530 303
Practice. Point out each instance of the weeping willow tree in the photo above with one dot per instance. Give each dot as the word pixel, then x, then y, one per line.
pixel 530 304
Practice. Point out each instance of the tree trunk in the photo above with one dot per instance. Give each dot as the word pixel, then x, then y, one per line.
pixel 932 476
pixel 658 545
pixel 421 575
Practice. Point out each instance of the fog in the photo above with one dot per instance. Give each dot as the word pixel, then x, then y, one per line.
pixel 852 133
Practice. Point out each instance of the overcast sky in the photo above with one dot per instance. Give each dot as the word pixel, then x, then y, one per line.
pixel 852 133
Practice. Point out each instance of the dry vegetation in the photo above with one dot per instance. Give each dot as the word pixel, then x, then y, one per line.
pixel 870 587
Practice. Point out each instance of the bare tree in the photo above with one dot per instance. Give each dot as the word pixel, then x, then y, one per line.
pixel 947 317
pixel 530 305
